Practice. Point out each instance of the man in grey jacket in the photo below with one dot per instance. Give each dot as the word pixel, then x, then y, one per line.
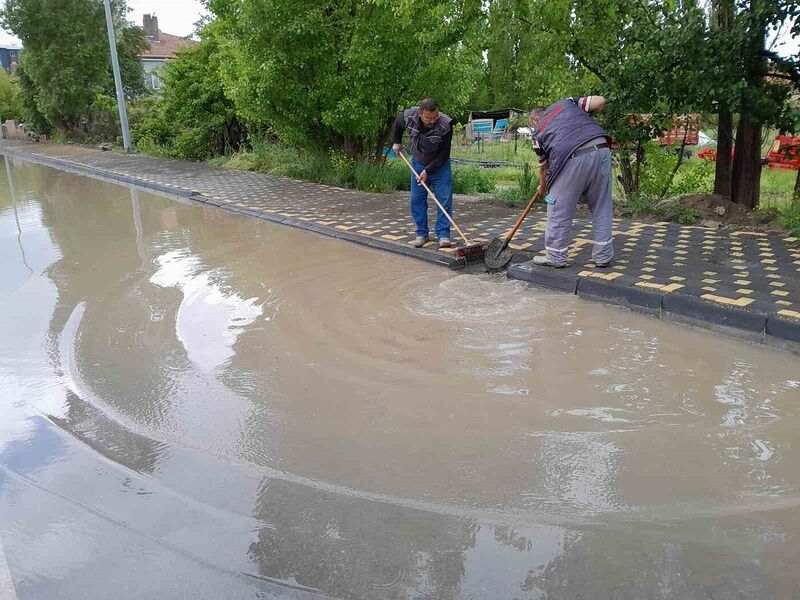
pixel 430 135
pixel 574 165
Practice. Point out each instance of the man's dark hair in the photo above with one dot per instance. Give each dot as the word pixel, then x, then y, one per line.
pixel 428 104
pixel 536 112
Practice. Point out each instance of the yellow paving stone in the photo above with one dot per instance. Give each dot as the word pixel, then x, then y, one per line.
pixel 744 291
pixel 742 282
pixel 709 272
pixel 367 231
pixel 394 238
pixel 348 227
pixel 645 277
pixel 771 269
pixel 769 261
pixel 790 239
pixel 783 302
pixel 708 288
pixel 596 275
pixel 777 283
pixel 326 222
pixel 789 313
pixel 710 280
pixel 676 278
pixel 657 286
pixel 781 293
pixel 648 269
pixel 773 276
pixel 740 302
pixel 680 252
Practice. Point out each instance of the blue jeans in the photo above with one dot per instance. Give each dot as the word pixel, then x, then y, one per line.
pixel 441 183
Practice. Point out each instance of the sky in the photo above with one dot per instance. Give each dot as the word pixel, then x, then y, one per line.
pixel 179 16
pixel 174 16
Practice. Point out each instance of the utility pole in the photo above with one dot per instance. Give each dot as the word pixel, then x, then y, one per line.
pixel 123 113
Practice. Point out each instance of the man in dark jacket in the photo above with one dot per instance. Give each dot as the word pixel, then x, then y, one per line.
pixel 430 135
pixel 574 165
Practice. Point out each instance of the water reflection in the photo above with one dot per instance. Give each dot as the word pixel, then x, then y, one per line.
pixel 367 428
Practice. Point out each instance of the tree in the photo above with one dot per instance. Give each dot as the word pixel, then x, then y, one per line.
pixel 670 57
pixel 526 64
pixel 194 114
pixel 335 73
pixel 10 98
pixel 66 59
pixel 722 21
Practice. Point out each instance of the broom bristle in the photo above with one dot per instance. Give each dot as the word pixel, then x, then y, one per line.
pixel 472 252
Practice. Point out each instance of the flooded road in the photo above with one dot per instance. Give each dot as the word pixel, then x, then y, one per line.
pixel 195 404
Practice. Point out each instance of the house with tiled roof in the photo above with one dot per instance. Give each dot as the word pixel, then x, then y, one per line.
pixel 161 48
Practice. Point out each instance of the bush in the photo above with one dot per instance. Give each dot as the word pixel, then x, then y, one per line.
pixel 471 180
pixel 388 177
pixel 641 205
pixel 635 206
pixel 694 176
pixel 103 120
pixel 523 190
pixel 343 166
pixel 789 217
pixel 193 144
pixel 10 98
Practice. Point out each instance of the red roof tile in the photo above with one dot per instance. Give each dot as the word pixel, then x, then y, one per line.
pixel 166 46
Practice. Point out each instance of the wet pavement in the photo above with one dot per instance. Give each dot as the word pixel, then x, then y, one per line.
pixel 198 404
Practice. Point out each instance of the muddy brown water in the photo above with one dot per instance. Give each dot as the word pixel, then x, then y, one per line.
pixel 199 404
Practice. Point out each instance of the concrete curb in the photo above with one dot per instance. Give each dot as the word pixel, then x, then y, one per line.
pixel 555 279
pixel 751 325
pixel 623 295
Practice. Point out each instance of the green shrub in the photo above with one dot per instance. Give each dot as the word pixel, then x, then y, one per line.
pixel 103 119
pixel 192 144
pixel 635 206
pixel 694 176
pixel 789 217
pixel 343 166
pixel 680 214
pixel 471 180
pixel 10 98
pixel 384 178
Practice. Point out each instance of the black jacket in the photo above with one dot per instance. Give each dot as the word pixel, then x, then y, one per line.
pixel 430 146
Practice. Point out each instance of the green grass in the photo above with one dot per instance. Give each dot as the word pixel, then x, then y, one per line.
pixel 339 170
pixel 503 151
pixel 777 186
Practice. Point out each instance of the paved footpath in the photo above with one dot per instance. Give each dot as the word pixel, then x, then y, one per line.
pixel 744 282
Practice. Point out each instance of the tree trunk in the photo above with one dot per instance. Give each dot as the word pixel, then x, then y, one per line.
pixel 746 178
pixel 723 11
pixel 797 187
pixel 722 172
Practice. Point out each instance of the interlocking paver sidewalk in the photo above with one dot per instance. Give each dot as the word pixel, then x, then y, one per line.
pixel 738 278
